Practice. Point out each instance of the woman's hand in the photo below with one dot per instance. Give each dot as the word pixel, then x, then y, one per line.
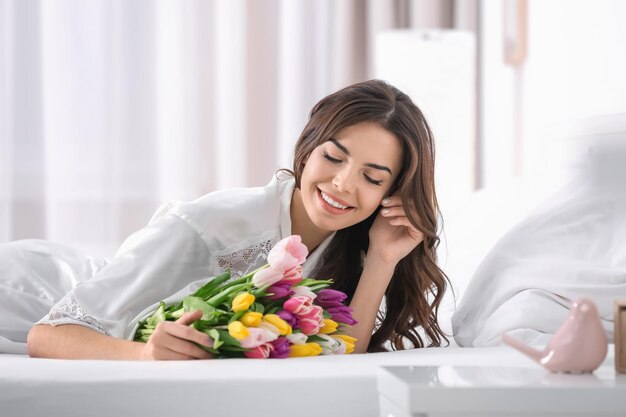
pixel 175 340
pixel 392 236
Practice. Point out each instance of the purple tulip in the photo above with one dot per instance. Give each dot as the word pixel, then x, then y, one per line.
pixel 342 314
pixel 281 348
pixel 290 318
pixel 279 290
pixel 330 298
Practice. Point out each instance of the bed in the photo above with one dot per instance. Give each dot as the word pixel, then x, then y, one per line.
pixel 517 256
pixel 329 385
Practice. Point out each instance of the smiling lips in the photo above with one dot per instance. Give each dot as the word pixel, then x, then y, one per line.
pixel 332 204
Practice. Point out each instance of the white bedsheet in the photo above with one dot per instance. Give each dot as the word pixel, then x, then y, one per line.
pixel 328 385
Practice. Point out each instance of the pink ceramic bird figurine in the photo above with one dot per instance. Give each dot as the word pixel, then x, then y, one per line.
pixel 579 345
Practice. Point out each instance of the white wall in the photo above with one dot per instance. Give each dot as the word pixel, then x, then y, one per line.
pixel 576 69
pixel 436 69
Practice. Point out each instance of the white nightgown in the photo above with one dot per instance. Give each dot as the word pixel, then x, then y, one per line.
pixel 183 246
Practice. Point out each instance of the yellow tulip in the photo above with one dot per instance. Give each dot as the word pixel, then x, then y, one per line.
pixel 283 327
pixel 237 330
pixel 252 319
pixel 307 349
pixel 242 302
pixel 348 340
pixel 330 326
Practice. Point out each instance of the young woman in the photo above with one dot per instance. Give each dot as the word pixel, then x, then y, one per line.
pixel 361 195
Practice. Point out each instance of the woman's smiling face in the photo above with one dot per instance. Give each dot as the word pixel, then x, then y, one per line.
pixel 345 178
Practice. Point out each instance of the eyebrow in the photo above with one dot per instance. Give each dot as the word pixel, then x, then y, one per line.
pixel 347 152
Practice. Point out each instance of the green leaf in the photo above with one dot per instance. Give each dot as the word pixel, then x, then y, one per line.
pixel 174 315
pixel 213 319
pixel 316 287
pixel 257 307
pixel 226 294
pixel 315 338
pixel 310 281
pixel 205 291
pixel 158 315
pixel 237 316
pixel 191 303
pixel 215 335
pixel 144 332
pixel 229 348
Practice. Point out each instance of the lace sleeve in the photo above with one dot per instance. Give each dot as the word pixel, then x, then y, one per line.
pixel 69 311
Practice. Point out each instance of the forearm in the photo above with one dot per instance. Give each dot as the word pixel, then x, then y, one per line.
pixel 367 299
pixel 71 341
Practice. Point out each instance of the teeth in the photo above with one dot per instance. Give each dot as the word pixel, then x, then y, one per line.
pixel 332 202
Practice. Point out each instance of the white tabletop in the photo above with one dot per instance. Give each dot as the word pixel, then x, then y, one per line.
pixel 499 390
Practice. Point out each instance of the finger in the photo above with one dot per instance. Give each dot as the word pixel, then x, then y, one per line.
pixel 168 355
pixel 413 232
pixel 157 349
pixel 168 346
pixel 392 211
pixel 391 201
pixel 165 343
pixel 402 221
pixel 185 348
pixel 185 332
pixel 189 317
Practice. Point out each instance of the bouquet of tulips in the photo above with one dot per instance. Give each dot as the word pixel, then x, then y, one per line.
pixel 272 312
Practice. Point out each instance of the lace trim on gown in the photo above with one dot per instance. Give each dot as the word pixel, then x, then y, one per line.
pixel 245 260
pixel 69 311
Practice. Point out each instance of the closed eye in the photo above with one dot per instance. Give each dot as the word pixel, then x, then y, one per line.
pixel 331 159
pixel 373 181
pixel 338 161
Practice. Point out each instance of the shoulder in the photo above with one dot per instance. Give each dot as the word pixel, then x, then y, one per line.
pixel 226 217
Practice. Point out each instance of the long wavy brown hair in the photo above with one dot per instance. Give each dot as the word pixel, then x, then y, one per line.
pixel 416 278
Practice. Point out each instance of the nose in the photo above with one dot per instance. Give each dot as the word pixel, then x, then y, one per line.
pixel 344 181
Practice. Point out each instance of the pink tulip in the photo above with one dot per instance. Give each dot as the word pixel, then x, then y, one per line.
pixel 257 337
pixel 292 275
pixel 298 305
pixel 260 352
pixel 303 291
pixel 316 313
pixel 287 253
pixel 312 321
pixel 309 326
pixel 267 276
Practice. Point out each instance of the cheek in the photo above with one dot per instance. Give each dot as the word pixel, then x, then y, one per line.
pixel 313 170
pixel 371 203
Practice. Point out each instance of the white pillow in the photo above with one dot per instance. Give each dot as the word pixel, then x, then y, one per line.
pixel 573 245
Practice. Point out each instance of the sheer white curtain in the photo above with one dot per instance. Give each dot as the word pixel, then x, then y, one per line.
pixel 109 108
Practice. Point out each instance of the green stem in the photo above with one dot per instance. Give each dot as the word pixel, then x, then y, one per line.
pixel 244 279
pixel 222 296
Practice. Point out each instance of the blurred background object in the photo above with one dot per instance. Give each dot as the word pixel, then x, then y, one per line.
pixel 109 108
